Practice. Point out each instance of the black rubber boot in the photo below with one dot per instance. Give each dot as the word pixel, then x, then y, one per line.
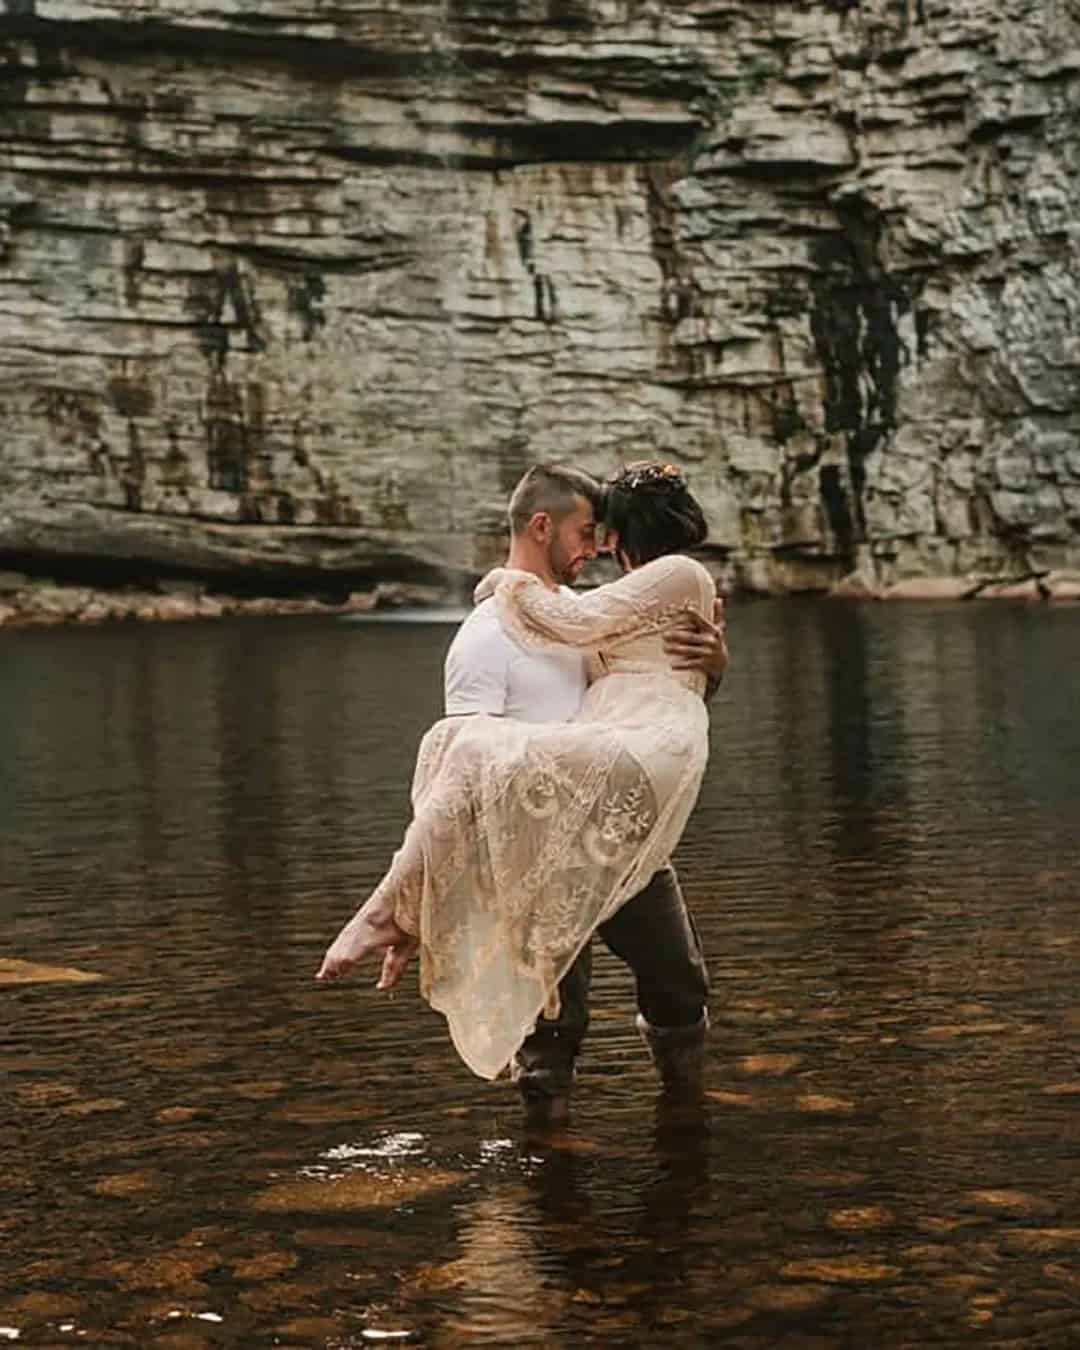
pixel 545 1092
pixel 678 1054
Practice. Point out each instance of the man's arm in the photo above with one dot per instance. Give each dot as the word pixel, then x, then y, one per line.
pixel 694 647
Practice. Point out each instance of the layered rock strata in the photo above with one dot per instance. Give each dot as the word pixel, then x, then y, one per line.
pixel 291 294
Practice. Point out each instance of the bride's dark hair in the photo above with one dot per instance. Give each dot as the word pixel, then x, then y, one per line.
pixel 652 510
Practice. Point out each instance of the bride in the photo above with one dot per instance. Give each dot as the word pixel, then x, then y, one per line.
pixel 525 837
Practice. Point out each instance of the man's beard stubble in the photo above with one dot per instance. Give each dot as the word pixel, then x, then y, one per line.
pixel 560 566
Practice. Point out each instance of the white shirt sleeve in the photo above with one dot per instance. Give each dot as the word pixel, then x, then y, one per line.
pixel 476 674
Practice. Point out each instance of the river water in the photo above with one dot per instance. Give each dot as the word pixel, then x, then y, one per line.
pixel 203 1148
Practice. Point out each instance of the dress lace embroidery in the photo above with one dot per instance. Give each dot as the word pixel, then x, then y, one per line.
pixel 526 836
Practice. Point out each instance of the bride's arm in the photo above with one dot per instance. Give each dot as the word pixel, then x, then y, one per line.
pixel 646 600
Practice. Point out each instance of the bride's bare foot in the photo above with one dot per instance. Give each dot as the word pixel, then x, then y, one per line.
pixel 366 932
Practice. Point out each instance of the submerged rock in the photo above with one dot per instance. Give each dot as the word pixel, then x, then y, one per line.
pixel 772 1066
pixel 265 1266
pixel 356 1190
pixel 1016 1203
pixel 818 1103
pixel 840 1269
pixel 32 972
pixel 127 1184
pixel 861 1217
pixel 93 1107
pixel 790 1298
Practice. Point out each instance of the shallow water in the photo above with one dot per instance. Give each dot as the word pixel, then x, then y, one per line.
pixel 203 1148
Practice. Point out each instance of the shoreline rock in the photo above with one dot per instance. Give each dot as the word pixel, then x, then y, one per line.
pixel 28 602
pixel 1053 587
pixel 43 603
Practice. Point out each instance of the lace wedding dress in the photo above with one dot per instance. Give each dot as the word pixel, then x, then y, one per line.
pixel 526 836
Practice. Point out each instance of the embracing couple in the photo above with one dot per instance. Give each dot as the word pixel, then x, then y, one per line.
pixel 547 801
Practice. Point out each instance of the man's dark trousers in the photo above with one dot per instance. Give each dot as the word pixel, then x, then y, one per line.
pixel 655 935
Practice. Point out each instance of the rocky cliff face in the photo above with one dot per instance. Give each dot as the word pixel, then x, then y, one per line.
pixel 297 291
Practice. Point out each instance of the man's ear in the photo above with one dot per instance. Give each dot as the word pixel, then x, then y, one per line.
pixel 541 527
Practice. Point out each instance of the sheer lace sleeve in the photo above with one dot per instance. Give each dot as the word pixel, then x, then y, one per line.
pixel 647 600
pixel 595 666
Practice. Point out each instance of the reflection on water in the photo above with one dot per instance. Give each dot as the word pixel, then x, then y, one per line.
pixel 203 1148
pixel 406 614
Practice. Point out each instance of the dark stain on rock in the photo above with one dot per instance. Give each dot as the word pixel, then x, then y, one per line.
pixel 175 469
pixel 788 298
pixel 134 257
pixel 545 301
pixel 332 506
pixel 237 457
pixel 837 509
pixel 787 420
pixel 221 304
pixel 661 218
pixel 679 297
pixel 546 305
pixel 391 504
pixel 524 237
pixel 73 415
pixel 131 111
pixel 854 310
pixel 492 244
pixel 306 296
pixel 228 447
pixel 171 104
pixel 250 509
pixel 569 13
pixel 131 397
pixel 923 320
pixel 133 473
pixel 514 458
pixel 255 413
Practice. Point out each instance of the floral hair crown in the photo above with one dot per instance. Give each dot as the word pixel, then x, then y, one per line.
pixel 667 477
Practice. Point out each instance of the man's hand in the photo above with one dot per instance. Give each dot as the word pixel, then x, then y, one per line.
pixel 697 644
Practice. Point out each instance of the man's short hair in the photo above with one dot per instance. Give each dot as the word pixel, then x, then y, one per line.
pixel 553 488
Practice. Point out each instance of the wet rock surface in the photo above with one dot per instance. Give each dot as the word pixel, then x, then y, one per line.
pixel 290 300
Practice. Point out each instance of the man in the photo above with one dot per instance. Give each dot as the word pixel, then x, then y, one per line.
pixel 553 528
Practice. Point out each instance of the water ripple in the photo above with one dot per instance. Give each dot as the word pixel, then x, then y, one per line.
pixel 883 867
